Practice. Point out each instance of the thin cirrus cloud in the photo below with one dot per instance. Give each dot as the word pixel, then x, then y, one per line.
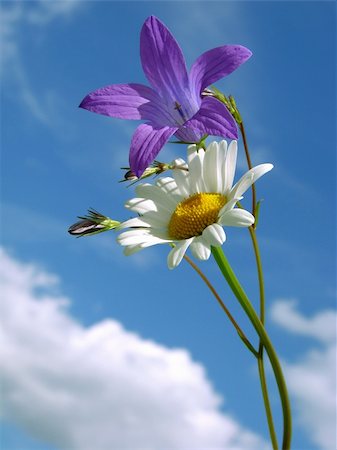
pixel 312 378
pixel 102 386
pixel 14 15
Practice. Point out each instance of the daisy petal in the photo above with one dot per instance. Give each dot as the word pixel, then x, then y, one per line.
pixel 154 241
pixel 157 219
pixel 169 186
pixel 200 249
pixel 140 237
pixel 131 249
pixel 217 63
pixel 229 205
pixel 228 167
pixel 140 205
pixel 191 152
pixel 195 163
pixel 157 195
pixel 177 253
pixel 133 237
pixel 214 235
pixel 146 143
pixel 180 174
pixel 237 218
pixel 212 168
pixel 134 223
pixel 151 219
pixel 249 178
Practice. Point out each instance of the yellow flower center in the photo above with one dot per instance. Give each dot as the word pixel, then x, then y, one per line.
pixel 194 214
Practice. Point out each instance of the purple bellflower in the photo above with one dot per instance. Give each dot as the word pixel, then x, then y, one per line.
pixel 173 104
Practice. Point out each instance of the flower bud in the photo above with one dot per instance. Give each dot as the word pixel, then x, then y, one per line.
pixel 93 223
pixel 155 169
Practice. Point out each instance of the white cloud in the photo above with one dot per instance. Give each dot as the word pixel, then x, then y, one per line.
pixel 312 379
pixel 321 327
pixel 100 387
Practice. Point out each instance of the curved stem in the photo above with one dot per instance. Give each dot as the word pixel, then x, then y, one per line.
pixel 249 162
pixel 260 360
pixel 240 294
pixel 262 375
pixel 259 273
pixel 264 389
pixel 223 306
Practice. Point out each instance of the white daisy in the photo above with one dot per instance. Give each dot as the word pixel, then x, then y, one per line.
pixel 190 209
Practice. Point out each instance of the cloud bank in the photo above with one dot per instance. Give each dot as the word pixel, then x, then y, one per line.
pixel 100 387
pixel 312 379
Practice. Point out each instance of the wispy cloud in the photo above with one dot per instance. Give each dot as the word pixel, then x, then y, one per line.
pixel 46 11
pixel 312 379
pixel 14 15
pixel 102 386
pixel 321 327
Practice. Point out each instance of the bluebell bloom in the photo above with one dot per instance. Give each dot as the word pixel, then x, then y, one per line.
pixel 173 105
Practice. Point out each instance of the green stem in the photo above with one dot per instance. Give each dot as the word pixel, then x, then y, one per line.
pixel 245 146
pixel 240 294
pixel 260 360
pixel 263 381
pixel 264 389
pixel 223 306
pixel 259 273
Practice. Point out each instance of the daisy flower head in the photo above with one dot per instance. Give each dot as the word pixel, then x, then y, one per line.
pixel 190 209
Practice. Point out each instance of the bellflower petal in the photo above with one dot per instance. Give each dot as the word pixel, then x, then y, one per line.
pixel 125 101
pixel 213 118
pixel 162 60
pixel 217 63
pixel 146 143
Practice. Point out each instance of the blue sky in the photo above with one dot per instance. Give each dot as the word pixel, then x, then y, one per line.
pixel 58 160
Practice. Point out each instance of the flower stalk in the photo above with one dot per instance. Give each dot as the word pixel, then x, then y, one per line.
pixel 260 359
pixel 252 232
pixel 249 163
pixel 245 303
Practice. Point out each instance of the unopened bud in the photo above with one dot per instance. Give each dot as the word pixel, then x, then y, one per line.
pixel 155 169
pixel 93 223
